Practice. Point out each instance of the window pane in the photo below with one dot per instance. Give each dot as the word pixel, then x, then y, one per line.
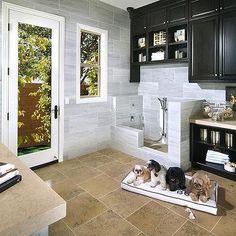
pixel 89 81
pixel 90 47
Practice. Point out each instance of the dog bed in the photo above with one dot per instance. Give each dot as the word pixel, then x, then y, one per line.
pixel 173 197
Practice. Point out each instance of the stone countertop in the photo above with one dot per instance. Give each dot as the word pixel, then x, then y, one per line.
pixel 227 124
pixel 30 205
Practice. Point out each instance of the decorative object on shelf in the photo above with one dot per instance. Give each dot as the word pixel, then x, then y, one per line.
pixel 229 140
pixel 159 55
pixel 142 57
pixel 203 135
pixel 142 42
pixel 215 137
pixel 231 96
pixel 230 167
pixel 159 38
pixel 179 54
pixel 217 111
pixel 179 35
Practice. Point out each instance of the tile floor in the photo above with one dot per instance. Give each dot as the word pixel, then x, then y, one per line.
pixel 96 205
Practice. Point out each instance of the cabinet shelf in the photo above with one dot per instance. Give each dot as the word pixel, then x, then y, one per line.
pixel 157 46
pixel 139 49
pixel 199 149
pixel 217 169
pixel 220 147
pixel 178 43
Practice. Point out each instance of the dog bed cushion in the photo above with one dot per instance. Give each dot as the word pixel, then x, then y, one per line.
pixel 172 196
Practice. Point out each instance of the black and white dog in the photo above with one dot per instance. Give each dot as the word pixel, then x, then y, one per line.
pixel 158 174
pixel 175 178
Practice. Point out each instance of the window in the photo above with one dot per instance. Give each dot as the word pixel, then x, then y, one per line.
pixel 91 64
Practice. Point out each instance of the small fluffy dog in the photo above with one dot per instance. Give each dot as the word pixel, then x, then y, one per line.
pixel 175 178
pixel 199 187
pixel 158 174
pixel 141 175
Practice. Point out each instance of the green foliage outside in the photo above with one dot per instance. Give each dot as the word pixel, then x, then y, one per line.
pixel 90 45
pixel 34 62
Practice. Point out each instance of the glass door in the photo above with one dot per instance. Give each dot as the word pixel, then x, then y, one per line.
pixel 33 88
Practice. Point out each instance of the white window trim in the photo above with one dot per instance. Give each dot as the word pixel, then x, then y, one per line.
pixel 103 60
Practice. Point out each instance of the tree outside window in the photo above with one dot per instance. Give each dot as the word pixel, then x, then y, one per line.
pixel 90 68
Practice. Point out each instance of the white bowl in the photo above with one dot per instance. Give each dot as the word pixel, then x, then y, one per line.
pixel 229 167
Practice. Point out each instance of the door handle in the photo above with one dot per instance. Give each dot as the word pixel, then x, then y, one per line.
pixel 56 111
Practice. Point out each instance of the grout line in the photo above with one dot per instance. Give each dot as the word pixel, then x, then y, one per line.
pixel 69 227
pixel 180 227
pixel 91 219
pixel 138 208
pixel 216 224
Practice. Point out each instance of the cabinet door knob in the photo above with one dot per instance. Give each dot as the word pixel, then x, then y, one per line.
pixel 216 9
pixel 220 74
pixel 145 27
pixel 164 22
pixel 167 21
pixel 215 74
pixel 221 8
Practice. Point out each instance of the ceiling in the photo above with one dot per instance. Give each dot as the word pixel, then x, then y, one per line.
pixel 123 4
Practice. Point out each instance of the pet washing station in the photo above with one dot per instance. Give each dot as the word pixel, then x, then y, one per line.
pixel 128 136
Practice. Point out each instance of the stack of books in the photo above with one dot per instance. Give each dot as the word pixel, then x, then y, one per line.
pixel 216 157
pixel 9 176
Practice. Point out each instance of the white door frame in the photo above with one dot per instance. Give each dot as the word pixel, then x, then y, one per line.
pixel 6 7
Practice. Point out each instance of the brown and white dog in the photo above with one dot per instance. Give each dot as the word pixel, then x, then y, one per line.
pixel 141 174
pixel 199 187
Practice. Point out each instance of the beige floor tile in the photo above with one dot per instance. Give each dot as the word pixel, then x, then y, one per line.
pixel 154 219
pixel 107 224
pixel 227 199
pixel 142 234
pixel 81 174
pixel 123 202
pixel 50 175
pixel 114 169
pixel 190 229
pixel 59 229
pixel 100 185
pixel 164 204
pixel 67 165
pixel 82 208
pixel 122 157
pixel 67 189
pixel 108 151
pixel 95 161
pixel 203 219
pixel 226 225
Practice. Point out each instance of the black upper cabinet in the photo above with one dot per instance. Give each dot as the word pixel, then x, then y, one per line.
pixel 139 24
pixel 171 14
pixel 204 48
pixel 227 5
pixel 227 47
pixel 200 8
pixel 157 17
pixel 177 13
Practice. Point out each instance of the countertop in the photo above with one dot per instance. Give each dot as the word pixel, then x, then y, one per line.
pixel 30 205
pixel 226 124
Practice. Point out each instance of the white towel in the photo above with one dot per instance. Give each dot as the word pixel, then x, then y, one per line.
pixel 217 154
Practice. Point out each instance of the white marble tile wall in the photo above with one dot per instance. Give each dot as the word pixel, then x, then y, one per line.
pixel 170 81
pixel 126 106
pixel 87 126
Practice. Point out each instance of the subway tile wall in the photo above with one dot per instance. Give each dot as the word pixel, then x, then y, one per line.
pixel 87 126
